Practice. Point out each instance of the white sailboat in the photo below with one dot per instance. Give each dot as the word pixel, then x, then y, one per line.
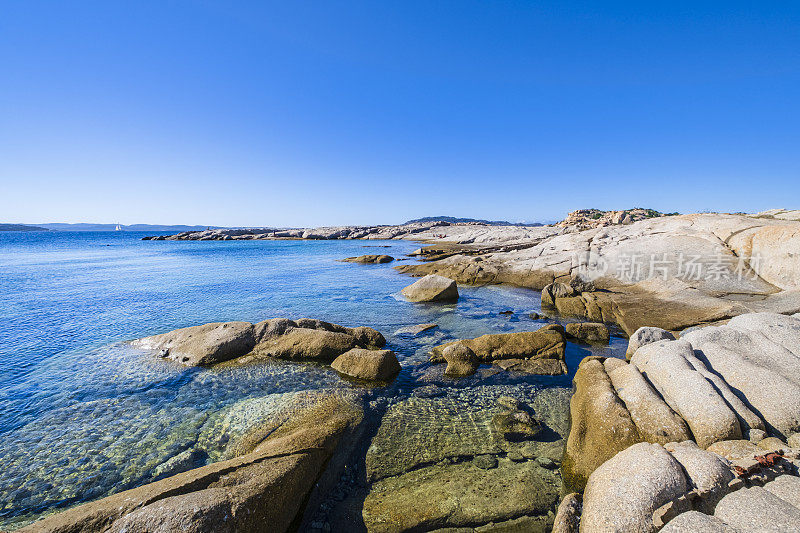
pixel 118 228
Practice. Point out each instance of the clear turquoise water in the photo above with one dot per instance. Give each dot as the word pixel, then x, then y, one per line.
pixel 85 415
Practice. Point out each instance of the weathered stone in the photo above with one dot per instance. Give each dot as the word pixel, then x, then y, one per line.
pixel 432 288
pixel 772 444
pixel 588 331
pixel 757 364
pixel 554 291
pixel 687 391
pixel 516 425
pixel 623 493
pixel 545 343
pixel 794 441
pixel 367 337
pixel 568 515
pixel 304 343
pixel 756 435
pixel 375 365
pixel 646 335
pixel 785 487
pixel 485 462
pixel 735 449
pixel 709 474
pixel 461 361
pixel 370 259
pixel 757 509
pixel 696 522
pixel 203 345
pixel 601 425
pixel 654 419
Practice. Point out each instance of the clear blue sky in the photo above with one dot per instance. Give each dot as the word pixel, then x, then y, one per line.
pixel 316 112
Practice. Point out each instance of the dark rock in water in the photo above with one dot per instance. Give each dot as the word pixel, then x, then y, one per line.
pixel 461 361
pixel 432 288
pixel 374 365
pixel 428 391
pixel 269 485
pixel 369 259
pixel 485 462
pixel 534 316
pixel 507 312
pixel 546 462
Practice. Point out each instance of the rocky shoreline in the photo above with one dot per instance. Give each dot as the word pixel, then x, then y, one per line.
pixel 698 429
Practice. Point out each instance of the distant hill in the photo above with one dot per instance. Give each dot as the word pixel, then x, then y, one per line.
pixel 21 227
pixel 177 228
pixel 455 220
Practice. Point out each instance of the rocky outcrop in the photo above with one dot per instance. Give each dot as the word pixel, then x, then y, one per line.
pixel 432 288
pixel 306 339
pixel 715 386
pixel 595 218
pixel 366 259
pixel 540 351
pixel 373 365
pixel 671 272
pixel 270 484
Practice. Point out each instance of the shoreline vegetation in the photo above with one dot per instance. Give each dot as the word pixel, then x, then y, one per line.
pixel 698 428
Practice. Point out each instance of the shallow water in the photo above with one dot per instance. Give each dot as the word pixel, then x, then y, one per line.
pixel 85 415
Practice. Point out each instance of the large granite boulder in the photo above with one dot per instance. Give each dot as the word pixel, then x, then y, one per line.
pixel 654 419
pixel 304 343
pixel 544 346
pixel 601 425
pixel 665 364
pixel 708 473
pixel 204 345
pixel 271 484
pixel 375 259
pixel 461 360
pixel 432 288
pixel 623 493
pixel 306 338
pixel 757 355
pixel 757 509
pixel 372 365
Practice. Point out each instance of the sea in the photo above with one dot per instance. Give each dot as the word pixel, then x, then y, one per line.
pixel 85 415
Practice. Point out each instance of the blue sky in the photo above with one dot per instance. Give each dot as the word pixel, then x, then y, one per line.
pixel 313 112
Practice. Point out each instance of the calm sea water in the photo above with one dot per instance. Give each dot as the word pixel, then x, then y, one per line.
pixel 85 415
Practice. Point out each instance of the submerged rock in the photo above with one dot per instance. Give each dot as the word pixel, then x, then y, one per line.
pixel 370 259
pixel 414 331
pixel 268 485
pixel 432 288
pixel 375 365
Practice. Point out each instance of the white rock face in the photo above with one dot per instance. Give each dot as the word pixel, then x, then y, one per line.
pixel 687 391
pixel 646 335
